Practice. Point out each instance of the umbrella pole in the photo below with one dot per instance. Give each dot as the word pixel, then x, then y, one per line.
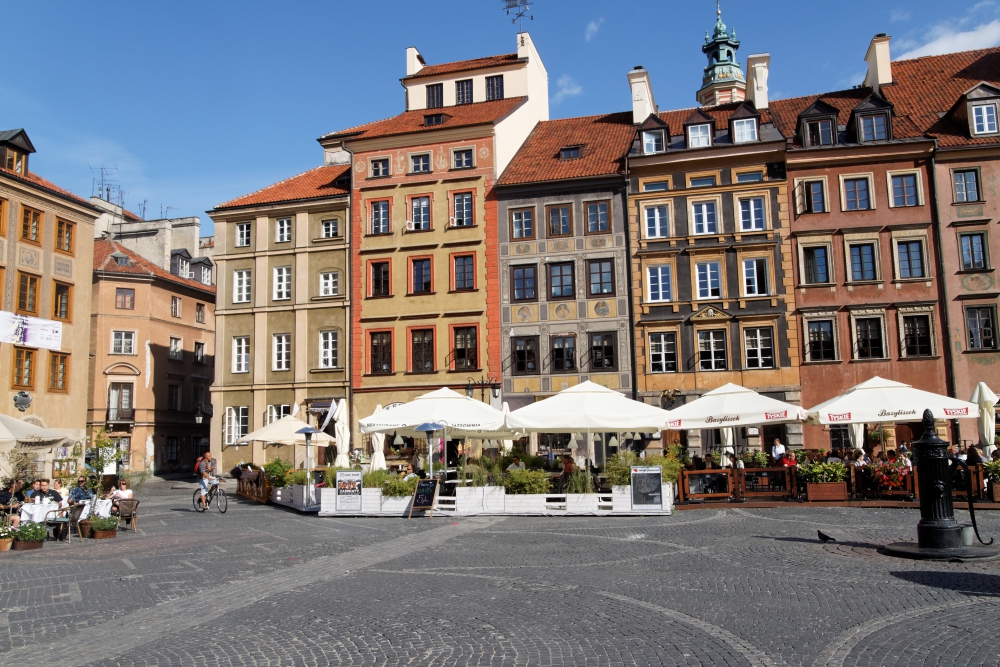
pixel 308 498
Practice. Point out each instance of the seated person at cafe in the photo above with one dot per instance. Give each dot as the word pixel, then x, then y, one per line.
pixel 569 467
pixel 46 494
pixel 58 487
pixel 35 486
pixel 121 492
pixel 974 457
pixel 516 464
pixel 12 498
pixel 408 473
pixel 788 461
pixel 80 493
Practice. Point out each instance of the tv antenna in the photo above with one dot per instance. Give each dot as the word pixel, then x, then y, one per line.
pixel 520 9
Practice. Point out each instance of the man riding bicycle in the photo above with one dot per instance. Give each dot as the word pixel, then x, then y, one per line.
pixel 206 474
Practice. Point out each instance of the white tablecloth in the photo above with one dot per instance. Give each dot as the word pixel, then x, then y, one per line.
pixel 36 511
pixel 103 509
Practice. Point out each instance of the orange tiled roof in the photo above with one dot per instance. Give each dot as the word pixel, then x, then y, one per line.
pixel 605 138
pixel 465 65
pixel 925 87
pixel 314 184
pixel 786 112
pixel 37 180
pixel 462 115
pixel 138 265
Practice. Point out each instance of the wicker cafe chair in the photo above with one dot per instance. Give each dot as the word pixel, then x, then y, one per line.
pixel 128 513
pixel 65 518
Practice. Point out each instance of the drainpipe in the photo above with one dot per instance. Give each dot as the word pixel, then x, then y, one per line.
pixel 943 291
pixel 628 269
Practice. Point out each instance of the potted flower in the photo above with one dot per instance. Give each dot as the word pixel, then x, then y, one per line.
pixel 887 476
pixel 754 459
pixel 104 528
pixel 992 472
pixel 29 536
pixel 824 481
pixel 6 537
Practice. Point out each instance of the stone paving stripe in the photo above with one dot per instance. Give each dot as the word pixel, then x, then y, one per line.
pixel 178 616
pixel 128 563
pixel 837 651
pixel 753 655
pixel 192 566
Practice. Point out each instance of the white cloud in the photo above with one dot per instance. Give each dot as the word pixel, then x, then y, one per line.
pixel 946 39
pixel 592 29
pixel 566 86
pixel 899 15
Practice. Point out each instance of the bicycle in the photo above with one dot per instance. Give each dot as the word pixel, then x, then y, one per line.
pixel 214 493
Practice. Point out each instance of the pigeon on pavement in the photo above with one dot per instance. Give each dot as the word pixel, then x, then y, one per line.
pixel 823 537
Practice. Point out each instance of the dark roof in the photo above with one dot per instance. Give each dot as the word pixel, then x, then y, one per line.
pixel 720 114
pixel 18 138
pixel 413 121
pixel 316 183
pixel 465 65
pixel 105 251
pixel 605 140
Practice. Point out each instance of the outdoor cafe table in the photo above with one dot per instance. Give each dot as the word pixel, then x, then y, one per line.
pixel 35 512
pixel 103 509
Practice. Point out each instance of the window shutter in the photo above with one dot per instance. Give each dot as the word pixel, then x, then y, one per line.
pixel 800 197
pixel 230 420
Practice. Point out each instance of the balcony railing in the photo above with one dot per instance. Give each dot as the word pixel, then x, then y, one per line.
pixel 121 415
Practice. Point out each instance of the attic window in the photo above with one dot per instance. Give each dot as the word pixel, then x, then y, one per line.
pixel 700 136
pixel 744 130
pixel 652 142
pixel 984 119
pixel 434 119
pixel 820 133
pixel 570 152
pixel 120 259
pixel 873 128
pixel 15 161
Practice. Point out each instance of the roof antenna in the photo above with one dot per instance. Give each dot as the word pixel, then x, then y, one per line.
pixel 520 8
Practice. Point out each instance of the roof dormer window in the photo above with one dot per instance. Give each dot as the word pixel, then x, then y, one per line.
pixel 120 259
pixel 984 118
pixel 744 130
pixel 873 128
pixel 652 142
pixel 16 161
pixel 700 136
pixel 819 132
pixel 570 152
pixel 434 119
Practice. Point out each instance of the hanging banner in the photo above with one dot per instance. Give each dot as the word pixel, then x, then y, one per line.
pixel 348 491
pixel 30 331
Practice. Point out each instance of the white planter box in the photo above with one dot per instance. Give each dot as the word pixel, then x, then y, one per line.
pixel 525 503
pixel 581 503
pixel 395 505
pixel 293 496
pixel 621 498
pixel 371 501
pixel 471 500
pixel 327 501
pixel 494 499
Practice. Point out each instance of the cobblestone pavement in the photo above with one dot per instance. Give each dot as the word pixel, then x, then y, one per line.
pixel 268 586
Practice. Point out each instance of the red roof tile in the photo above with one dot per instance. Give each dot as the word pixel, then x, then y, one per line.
pixel 924 88
pixel 314 184
pixel 465 65
pixel 605 140
pixel 413 121
pixel 138 265
pixel 37 180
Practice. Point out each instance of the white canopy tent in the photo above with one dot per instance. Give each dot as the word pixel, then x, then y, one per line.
pixel 729 406
pixel 14 431
pixel 284 431
pixel 885 401
pixel 342 428
pixel 591 408
pixel 378 446
pixel 986 400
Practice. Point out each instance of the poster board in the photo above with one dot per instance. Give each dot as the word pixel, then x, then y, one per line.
pixel 424 496
pixel 348 491
pixel 647 488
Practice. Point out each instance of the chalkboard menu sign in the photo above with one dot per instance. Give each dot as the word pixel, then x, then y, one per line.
pixel 423 496
pixel 348 491
pixel 647 489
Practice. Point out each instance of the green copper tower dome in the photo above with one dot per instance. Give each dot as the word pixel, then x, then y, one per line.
pixel 723 80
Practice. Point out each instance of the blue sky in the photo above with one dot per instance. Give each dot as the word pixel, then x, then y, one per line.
pixel 199 102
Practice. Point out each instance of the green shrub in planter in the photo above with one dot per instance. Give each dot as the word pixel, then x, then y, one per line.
pixel 297 478
pixel 579 482
pixel 276 472
pixel 102 524
pixel 394 487
pixel 374 479
pixel 526 481
pixel 31 532
pixel 992 471
pixel 619 467
pixel 816 473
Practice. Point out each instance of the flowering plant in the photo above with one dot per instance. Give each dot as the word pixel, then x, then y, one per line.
pixel 815 473
pixel 754 459
pixel 6 532
pixel 888 476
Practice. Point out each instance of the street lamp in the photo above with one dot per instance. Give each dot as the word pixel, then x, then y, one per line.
pixel 482 384
pixel 200 410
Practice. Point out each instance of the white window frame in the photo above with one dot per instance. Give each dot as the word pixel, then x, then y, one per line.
pixel 281 352
pixel 241 354
pixel 199 352
pixel 243 234
pixel 330 228
pixel 175 306
pixel 660 271
pixel 464 221
pixel 913 311
pixel 237 423
pixel 856 177
pixel 184 268
pixel 413 163
pixel 329 349
pixel 329 283
pixel 242 285
pixel 975 121
pixel 746 347
pixel 384 224
pixel 905 172
pixel 425 212
pixel 662 224
pixel 817 316
pixel 866 314
pixel 752 263
pixel 206 275
pixel 816 242
pixel 277 411
pixel 282 283
pixel 652 142
pixel 762 210
pixel 861 239
pixel 694 217
pixel 703 138
pixel 747 136
pixel 176 350
pixel 910 237
pixel 283 230
pixel 724 348
pixel 126 337
pixel 707 264
pixel 801 198
pixel 653 353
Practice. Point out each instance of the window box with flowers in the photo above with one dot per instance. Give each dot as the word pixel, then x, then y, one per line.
pixel 824 481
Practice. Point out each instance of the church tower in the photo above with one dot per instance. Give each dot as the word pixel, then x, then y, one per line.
pixel 723 80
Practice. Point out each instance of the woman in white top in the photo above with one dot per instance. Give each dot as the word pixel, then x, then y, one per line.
pixel 121 492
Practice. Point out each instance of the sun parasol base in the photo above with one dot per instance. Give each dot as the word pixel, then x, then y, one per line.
pixel 914 551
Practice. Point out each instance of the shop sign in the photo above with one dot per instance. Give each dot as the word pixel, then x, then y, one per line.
pixel 647 488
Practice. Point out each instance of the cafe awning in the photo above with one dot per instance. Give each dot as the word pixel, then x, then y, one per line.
pixel 16 431
pixel 284 431
pixel 588 407
pixel 460 415
pixel 885 401
pixel 733 405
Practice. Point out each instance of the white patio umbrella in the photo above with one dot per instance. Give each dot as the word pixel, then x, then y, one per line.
pixel 378 446
pixel 284 431
pixel 732 405
pixel 728 439
pixel 986 400
pixel 342 429
pixel 856 432
pixel 587 407
pixel 884 401
pixel 15 431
